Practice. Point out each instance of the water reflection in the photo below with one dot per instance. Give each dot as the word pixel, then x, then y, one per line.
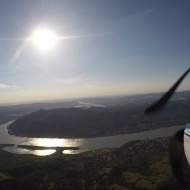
pixel 53 142
pixel 69 152
pixel 48 142
pixel 16 150
pixel 88 105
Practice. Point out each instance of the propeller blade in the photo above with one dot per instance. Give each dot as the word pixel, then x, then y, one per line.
pixel 176 155
pixel 160 103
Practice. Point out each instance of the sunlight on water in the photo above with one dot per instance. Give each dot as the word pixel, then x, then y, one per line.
pixel 43 152
pixel 16 150
pixel 49 142
pixel 69 152
pixel 53 142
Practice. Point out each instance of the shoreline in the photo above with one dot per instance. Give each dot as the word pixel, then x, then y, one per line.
pixel 91 144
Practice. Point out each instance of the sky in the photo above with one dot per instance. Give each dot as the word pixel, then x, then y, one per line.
pixel 102 47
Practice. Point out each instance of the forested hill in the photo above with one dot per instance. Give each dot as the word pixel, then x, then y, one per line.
pixel 72 122
pixel 97 122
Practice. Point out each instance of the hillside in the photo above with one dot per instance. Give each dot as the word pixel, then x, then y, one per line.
pixel 96 121
pixel 71 122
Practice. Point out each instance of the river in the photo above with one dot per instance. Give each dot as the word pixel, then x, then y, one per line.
pixel 84 144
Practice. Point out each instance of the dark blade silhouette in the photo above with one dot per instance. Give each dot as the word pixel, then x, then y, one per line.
pixel 177 143
pixel 162 102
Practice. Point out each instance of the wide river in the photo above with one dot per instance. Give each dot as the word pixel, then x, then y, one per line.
pixel 84 144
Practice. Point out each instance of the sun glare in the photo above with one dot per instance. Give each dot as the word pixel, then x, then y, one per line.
pixel 44 39
pixel 49 142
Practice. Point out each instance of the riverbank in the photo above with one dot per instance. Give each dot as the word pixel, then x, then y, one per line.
pixel 119 133
pixel 84 144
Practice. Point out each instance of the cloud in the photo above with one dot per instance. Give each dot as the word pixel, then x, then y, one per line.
pixel 4 85
pixel 7 86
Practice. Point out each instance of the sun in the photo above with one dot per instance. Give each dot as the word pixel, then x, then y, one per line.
pixel 44 39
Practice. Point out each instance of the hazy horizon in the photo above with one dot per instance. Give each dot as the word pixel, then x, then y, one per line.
pixel 81 98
